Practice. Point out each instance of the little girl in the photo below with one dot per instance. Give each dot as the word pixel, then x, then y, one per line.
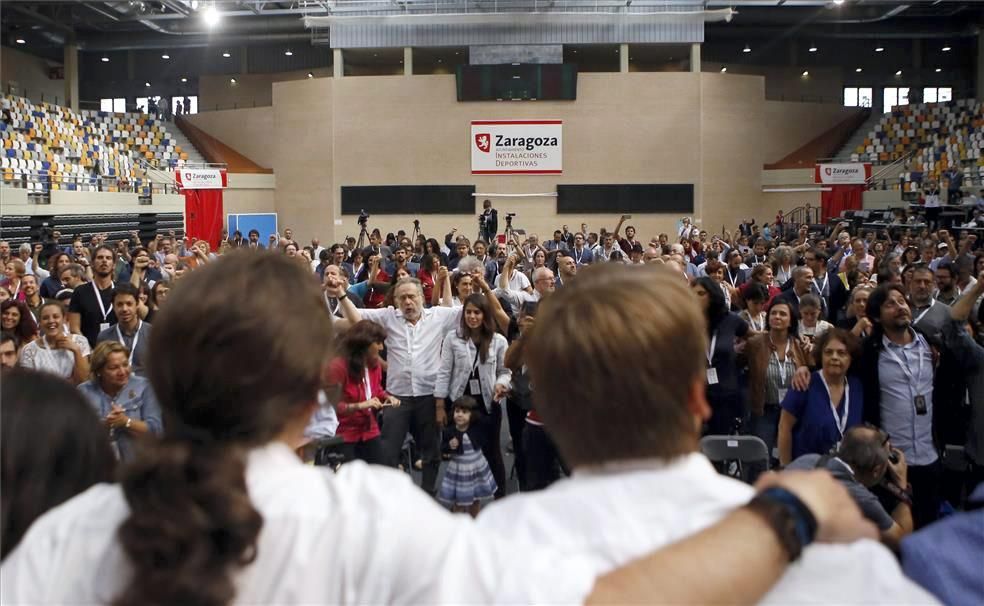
pixel 811 326
pixel 756 296
pixel 468 478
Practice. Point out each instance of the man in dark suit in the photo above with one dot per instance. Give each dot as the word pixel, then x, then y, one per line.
pixel 490 226
pixel 802 283
pixel 254 240
pixel 826 284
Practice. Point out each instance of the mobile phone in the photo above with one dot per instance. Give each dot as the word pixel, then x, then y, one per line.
pixel 893 457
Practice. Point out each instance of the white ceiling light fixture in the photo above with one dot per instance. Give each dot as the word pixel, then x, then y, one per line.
pixel 938 70
pixel 165 56
pixel 946 49
pixel 879 49
pixel 805 74
pixel 20 41
pixel 838 2
pixel 147 84
pixel 226 54
pixel 813 49
pixel 747 49
pixel 105 59
pixel 232 80
pixel 211 16
pixel 858 70
pixel 724 70
pixel 310 75
pixel 184 79
pixel 898 73
pixel 289 53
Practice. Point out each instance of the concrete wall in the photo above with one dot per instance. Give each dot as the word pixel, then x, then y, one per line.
pixel 396 130
pixel 28 75
pixel 15 202
pixel 216 92
pixel 249 194
pixel 240 130
pixel 796 178
pixel 792 124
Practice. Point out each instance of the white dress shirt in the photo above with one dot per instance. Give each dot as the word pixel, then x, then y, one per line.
pixel 618 514
pixel 366 535
pixel 413 351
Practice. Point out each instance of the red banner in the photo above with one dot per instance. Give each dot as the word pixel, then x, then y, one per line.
pixel 204 218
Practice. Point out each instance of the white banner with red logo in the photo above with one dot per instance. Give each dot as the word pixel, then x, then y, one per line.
pixel 200 178
pixel 843 174
pixel 516 147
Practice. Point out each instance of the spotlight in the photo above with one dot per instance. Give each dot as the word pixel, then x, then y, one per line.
pixel 20 41
pixel 879 49
pixel 232 80
pixel 858 70
pixel 747 49
pixel 211 16
pixel 105 59
pixel 310 75
pixel 945 49
pixel 724 70
pixel 288 53
pixel 165 56
pixel 813 49
pixel 898 73
pixel 147 84
pixel 184 79
pixel 805 74
pixel 226 54
pixel 938 70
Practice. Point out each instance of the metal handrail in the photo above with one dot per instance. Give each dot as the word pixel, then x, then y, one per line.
pixel 887 167
pixel 23 178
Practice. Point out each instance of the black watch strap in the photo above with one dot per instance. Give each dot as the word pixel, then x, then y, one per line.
pixel 793 522
pixel 342 296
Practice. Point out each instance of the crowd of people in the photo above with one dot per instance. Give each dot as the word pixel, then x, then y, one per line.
pixel 856 352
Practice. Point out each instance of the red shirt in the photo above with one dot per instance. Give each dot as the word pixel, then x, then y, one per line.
pixel 356 425
pixel 427 281
pixel 376 296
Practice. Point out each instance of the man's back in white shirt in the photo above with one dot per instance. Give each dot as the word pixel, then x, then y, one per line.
pixel 619 514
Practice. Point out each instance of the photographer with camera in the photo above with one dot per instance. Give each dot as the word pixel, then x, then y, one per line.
pixel 488 222
pixel 865 461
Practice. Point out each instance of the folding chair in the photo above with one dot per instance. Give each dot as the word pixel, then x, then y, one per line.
pixel 743 451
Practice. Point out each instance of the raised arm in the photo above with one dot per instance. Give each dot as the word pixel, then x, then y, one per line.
pixel 336 288
pixel 965 304
pixel 501 317
pixel 618 226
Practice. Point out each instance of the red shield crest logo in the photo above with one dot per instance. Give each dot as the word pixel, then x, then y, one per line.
pixel 483 141
pixel 827 170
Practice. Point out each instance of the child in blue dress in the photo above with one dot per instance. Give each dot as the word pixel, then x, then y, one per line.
pixel 467 478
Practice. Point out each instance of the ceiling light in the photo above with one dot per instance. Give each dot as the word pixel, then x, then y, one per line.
pixel 858 70
pixel 440 60
pixel 226 54
pixel 838 2
pixel 194 5
pixel 310 75
pixel 945 49
pixel 105 59
pixel 147 84
pixel 898 73
pixel 879 49
pixel 20 41
pixel 938 70
pixel 813 49
pixel 165 56
pixel 724 69
pixel 747 49
pixel 289 53
pixel 211 16
pixel 184 79
pixel 805 74
pixel 232 80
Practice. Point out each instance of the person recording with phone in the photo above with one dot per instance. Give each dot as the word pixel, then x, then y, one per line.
pixel 875 475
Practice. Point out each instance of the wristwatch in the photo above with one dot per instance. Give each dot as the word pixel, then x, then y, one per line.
pixel 342 296
pixel 791 520
pixel 129 422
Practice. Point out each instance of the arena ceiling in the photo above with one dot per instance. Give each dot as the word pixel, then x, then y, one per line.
pixel 45 26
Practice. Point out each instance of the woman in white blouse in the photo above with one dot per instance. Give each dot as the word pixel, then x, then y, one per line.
pixel 473 363
pixel 57 352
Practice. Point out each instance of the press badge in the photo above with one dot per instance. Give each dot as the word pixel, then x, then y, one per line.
pixel 712 376
pixel 103 326
pixel 475 386
pixel 921 405
pixel 782 395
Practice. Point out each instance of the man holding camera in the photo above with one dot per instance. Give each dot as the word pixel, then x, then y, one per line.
pixel 488 222
pixel 864 460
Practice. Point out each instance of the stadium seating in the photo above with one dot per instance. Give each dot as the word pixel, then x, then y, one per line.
pixel 940 134
pixel 48 147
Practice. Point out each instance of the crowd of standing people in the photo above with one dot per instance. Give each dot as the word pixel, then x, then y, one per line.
pixel 855 352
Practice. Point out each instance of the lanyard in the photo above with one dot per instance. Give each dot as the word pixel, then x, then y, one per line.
pixel 368 385
pixel 578 254
pixel 136 338
pixel 839 421
pixel 710 348
pixel 913 380
pixel 102 307
pixel 820 289
pixel 733 279
pixel 331 309
pixel 782 363
pixel 925 311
